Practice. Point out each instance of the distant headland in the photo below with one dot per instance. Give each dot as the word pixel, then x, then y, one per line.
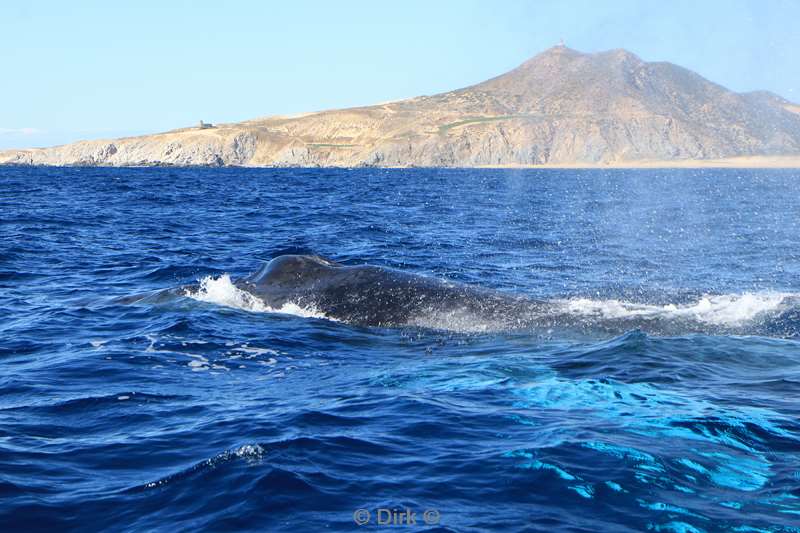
pixel 561 108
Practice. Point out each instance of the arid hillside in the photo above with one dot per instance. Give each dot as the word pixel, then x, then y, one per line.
pixel 562 107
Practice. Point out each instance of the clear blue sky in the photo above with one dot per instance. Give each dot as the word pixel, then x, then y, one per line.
pixel 79 69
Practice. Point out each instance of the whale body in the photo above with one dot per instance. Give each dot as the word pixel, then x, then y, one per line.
pixel 372 295
pixel 369 295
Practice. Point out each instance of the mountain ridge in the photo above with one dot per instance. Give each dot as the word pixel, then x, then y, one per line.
pixel 560 107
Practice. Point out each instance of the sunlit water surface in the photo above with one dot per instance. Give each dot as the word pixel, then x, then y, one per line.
pixel 667 402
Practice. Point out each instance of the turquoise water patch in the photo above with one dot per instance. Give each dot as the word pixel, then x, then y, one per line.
pixel 662 418
pixel 693 465
pixel 675 527
pixel 621 452
pixel 585 491
pixel 731 505
pixel 535 464
pixel 669 508
pixel 741 473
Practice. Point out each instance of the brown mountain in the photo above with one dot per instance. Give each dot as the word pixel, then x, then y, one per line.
pixel 560 107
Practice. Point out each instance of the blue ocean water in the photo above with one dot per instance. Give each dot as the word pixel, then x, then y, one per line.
pixel 663 397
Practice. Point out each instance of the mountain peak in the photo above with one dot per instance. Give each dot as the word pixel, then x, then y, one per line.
pixel 562 52
pixel 560 48
pixel 560 73
pixel 557 52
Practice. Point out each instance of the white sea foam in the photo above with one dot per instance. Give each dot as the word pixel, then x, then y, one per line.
pixel 718 310
pixel 221 291
pixel 256 351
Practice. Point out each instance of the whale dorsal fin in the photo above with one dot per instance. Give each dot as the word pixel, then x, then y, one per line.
pixel 290 267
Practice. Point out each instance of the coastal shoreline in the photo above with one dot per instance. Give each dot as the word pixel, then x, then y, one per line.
pixel 787 162
pixel 751 162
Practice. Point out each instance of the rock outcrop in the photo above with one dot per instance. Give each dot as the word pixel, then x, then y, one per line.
pixel 560 107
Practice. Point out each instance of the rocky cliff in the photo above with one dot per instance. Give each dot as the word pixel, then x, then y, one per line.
pixel 560 107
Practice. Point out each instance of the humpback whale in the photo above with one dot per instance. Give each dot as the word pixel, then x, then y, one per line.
pixel 371 295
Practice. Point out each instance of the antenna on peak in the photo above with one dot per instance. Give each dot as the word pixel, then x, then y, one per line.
pixel 561 43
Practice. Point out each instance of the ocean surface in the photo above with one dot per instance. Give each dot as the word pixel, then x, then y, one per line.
pixel 663 396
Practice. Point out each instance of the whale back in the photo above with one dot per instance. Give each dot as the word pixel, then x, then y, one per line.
pixel 292 270
pixel 363 294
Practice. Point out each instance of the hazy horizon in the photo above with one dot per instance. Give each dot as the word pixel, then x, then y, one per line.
pixel 94 70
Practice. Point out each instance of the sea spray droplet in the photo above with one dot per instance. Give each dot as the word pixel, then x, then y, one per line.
pixel 221 291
